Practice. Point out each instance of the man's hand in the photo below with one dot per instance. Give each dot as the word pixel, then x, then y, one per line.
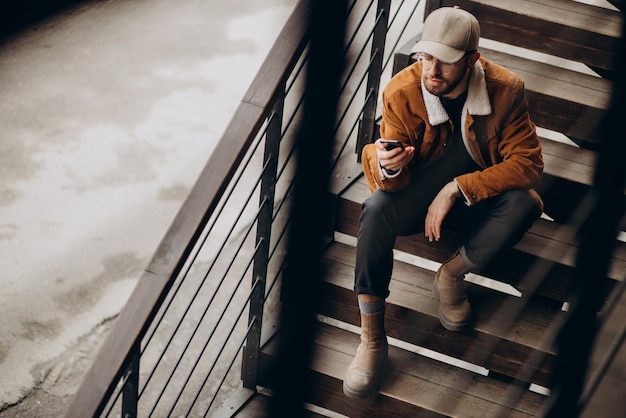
pixel 394 159
pixel 439 209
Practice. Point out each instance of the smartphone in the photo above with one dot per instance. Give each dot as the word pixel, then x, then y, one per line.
pixel 391 144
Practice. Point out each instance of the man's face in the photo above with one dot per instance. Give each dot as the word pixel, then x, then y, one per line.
pixel 438 83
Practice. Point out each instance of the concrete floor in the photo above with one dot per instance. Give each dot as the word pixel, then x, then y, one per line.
pixel 109 110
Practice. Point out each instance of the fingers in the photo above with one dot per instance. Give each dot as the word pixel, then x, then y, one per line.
pixel 394 159
pixel 432 223
pixel 438 210
pixel 432 227
pixel 379 145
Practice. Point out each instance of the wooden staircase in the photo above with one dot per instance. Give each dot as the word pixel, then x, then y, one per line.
pixel 502 367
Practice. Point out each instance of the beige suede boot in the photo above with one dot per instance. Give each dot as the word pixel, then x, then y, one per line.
pixel 364 374
pixel 454 308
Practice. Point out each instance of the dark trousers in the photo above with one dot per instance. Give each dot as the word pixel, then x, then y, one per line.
pixel 491 225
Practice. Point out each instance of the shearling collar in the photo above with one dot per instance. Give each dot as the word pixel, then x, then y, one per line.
pixel 477 102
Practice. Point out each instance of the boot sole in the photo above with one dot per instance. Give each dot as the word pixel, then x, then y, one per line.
pixel 447 324
pixel 372 390
pixel 353 394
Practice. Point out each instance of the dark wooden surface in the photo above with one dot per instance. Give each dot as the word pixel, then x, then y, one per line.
pixel 506 328
pixel 414 386
pixel 258 407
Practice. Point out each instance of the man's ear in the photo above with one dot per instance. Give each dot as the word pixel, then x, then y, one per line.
pixel 473 58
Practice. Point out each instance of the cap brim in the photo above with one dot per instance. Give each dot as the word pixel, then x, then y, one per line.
pixel 440 51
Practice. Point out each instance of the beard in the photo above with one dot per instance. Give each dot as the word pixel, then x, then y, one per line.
pixel 444 88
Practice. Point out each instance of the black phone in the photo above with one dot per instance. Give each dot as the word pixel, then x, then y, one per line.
pixel 391 144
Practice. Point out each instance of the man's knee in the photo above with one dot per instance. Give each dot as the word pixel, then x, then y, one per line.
pixel 522 203
pixel 376 206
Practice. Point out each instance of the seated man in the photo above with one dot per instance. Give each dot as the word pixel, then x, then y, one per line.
pixel 469 159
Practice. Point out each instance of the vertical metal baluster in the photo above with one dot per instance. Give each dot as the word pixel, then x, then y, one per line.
pixel 366 129
pixel 130 392
pixel 264 228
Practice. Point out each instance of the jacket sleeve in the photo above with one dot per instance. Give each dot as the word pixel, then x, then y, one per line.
pixel 517 160
pixel 376 179
pixel 391 128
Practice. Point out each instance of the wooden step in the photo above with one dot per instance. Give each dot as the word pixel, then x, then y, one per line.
pixel 560 99
pixel 507 328
pixel 414 386
pixel 564 28
pixel 258 407
pixel 567 178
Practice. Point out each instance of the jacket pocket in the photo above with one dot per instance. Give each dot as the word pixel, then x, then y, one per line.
pixel 417 134
pixel 485 132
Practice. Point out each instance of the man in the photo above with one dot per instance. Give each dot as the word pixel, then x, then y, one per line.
pixel 469 160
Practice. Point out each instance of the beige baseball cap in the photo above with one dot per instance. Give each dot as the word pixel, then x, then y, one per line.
pixel 449 32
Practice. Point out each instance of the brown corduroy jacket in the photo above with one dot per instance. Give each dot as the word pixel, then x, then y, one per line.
pixel 498 132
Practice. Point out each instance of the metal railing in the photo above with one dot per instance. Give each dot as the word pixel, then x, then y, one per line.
pixel 211 288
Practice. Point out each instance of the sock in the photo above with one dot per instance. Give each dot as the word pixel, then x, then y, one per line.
pixel 372 307
pixel 469 263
